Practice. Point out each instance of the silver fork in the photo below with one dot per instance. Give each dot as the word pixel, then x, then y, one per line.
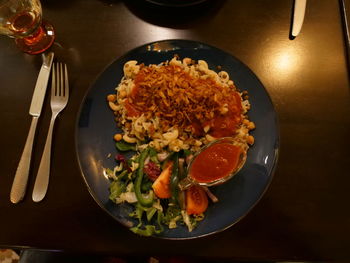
pixel 59 99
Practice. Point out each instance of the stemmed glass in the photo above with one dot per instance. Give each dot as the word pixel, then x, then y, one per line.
pixel 22 20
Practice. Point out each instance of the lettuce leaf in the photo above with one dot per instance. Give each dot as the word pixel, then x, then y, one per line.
pixel 116 188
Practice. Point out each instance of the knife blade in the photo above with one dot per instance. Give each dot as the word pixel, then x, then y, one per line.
pixel 19 184
pixel 298 16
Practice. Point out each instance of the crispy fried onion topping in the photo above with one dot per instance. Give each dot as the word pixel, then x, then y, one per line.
pixel 179 99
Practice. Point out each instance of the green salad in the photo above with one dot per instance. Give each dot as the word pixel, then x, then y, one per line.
pixel 148 181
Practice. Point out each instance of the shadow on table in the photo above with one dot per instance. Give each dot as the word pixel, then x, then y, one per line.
pixel 53 4
pixel 174 17
pixel 40 256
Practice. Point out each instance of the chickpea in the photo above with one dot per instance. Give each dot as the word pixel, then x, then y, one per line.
pixel 250 140
pixel 111 97
pixel 246 122
pixel 118 137
pixel 251 125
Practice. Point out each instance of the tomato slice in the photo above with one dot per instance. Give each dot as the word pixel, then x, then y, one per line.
pixel 196 200
pixel 161 185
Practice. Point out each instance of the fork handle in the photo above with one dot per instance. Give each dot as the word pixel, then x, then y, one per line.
pixel 42 178
pixel 20 181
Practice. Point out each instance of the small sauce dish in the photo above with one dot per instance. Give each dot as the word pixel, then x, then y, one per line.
pixel 215 163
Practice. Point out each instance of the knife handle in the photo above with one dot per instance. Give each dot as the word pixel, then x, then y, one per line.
pixel 22 173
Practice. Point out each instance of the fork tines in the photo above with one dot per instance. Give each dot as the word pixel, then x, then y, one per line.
pixel 59 79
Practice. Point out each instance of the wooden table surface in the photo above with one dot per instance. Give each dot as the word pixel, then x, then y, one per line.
pixel 304 214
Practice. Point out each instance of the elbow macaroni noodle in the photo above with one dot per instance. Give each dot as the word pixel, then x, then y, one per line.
pixel 139 128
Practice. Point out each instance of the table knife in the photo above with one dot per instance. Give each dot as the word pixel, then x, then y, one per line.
pixel 298 16
pixel 21 177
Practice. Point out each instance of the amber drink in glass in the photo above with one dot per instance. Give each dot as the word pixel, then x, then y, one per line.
pixel 22 20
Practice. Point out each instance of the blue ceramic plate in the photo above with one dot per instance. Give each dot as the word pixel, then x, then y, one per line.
pixel 96 127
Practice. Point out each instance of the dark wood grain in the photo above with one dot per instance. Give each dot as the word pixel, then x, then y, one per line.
pixel 305 213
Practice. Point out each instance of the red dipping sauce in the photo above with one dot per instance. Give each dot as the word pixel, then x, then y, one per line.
pixel 215 162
